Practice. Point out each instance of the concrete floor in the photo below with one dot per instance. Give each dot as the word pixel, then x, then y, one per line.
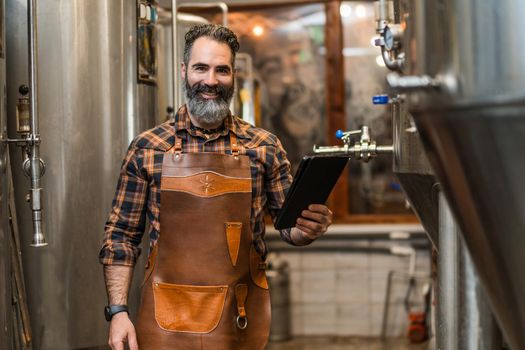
pixel 345 343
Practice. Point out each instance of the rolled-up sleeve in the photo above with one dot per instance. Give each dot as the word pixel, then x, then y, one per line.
pixel 278 181
pixel 125 226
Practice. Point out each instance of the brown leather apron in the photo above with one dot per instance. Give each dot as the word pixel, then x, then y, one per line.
pixel 205 285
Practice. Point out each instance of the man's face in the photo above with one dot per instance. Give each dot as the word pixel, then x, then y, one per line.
pixel 208 81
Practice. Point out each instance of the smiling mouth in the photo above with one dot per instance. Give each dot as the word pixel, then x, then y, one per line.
pixel 208 96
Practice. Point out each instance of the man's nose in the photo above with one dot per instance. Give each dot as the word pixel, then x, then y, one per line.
pixel 211 78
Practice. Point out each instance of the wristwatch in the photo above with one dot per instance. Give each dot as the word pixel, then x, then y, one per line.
pixel 111 310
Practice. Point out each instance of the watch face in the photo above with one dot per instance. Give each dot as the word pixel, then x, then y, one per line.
pixel 107 313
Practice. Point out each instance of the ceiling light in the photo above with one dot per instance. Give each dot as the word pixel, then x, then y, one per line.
pixel 345 10
pixel 258 30
pixel 360 11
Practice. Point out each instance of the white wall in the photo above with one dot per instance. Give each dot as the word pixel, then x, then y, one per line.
pixel 343 293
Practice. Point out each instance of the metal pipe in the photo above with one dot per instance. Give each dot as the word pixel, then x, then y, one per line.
pixel 386 305
pixel 392 64
pixel 248 109
pixel 448 297
pixel 406 251
pixel 411 83
pixel 384 149
pixel 34 137
pixel 382 14
pixel 221 5
pixel 24 324
pixel 353 151
pixel 175 52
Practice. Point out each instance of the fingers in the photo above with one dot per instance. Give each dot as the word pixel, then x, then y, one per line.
pixel 132 341
pixel 306 231
pixel 320 208
pixel 116 345
pixel 315 216
pixel 121 331
pixel 315 220
pixel 319 214
pixel 312 228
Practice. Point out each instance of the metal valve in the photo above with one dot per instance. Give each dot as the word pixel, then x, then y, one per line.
pixel 364 149
pixel 390 36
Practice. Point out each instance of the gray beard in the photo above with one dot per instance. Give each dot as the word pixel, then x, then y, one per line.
pixel 212 111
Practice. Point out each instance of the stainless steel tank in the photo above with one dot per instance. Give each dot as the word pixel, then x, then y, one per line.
pixel 467 84
pixel 464 318
pixel 413 170
pixel 5 252
pixel 90 106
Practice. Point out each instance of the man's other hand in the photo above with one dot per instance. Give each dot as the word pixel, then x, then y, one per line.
pixel 122 331
pixel 312 224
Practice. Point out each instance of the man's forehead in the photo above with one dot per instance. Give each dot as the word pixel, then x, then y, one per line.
pixel 205 48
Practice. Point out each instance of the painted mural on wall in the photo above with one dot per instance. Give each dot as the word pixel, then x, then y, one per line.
pixel 286 47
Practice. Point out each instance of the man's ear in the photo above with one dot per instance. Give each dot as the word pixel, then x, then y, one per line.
pixel 183 70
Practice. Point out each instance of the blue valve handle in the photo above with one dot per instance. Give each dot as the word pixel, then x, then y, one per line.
pixel 380 99
pixel 339 134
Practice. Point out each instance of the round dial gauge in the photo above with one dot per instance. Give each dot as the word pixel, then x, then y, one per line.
pixel 389 38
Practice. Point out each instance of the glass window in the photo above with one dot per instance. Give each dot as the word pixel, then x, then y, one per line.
pixel 285 45
pixel 373 188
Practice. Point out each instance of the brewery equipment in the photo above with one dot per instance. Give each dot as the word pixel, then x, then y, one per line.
pixel 466 93
pixel 95 92
pixel 5 266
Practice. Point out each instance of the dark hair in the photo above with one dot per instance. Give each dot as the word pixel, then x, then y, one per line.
pixel 216 32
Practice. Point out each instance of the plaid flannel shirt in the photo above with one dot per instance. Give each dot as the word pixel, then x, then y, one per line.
pixel 138 188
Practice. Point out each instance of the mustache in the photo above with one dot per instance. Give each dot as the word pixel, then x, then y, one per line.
pixel 223 92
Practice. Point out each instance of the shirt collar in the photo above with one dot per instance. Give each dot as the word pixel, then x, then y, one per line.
pixel 182 121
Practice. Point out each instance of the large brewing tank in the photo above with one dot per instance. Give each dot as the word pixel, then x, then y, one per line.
pixel 413 170
pixel 5 252
pixel 90 107
pixel 467 83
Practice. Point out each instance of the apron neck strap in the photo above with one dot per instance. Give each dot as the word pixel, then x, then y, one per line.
pixel 234 146
pixel 177 149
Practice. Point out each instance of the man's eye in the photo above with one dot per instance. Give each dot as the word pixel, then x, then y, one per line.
pixel 223 70
pixel 200 69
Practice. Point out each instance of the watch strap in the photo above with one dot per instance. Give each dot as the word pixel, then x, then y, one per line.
pixel 112 310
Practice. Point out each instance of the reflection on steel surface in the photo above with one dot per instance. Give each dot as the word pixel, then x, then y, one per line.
pixel 5 268
pixel 90 108
pixel 473 128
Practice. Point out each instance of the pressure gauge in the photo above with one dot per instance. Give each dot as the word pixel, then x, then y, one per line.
pixel 389 38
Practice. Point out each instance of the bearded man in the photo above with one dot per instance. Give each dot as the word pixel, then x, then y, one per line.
pixel 204 181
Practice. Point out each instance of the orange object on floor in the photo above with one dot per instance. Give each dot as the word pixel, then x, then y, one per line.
pixel 417 327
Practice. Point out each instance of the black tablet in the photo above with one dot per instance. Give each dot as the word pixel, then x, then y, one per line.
pixel 312 184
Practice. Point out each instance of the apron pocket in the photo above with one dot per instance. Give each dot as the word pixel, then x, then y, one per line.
pixel 186 308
